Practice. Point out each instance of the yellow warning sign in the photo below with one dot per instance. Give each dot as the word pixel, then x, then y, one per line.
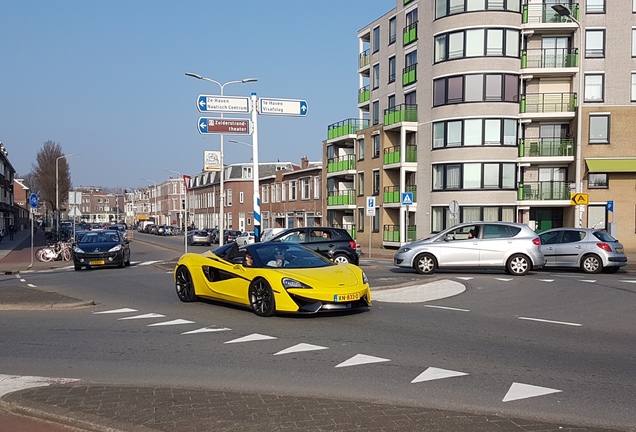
pixel 579 199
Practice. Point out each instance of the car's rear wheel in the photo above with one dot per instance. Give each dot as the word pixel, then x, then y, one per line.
pixel 518 265
pixel 262 298
pixel 591 264
pixel 341 259
pixel 184 285
pixel 425 264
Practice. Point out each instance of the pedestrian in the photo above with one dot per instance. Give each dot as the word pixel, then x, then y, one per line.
pixel 11 232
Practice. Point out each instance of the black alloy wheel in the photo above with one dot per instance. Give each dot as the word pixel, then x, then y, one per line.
pixel 262 298
pixel 184 285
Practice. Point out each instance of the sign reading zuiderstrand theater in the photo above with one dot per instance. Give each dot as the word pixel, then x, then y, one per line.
pixel 208 125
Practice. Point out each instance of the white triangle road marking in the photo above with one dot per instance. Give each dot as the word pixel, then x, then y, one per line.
pixel 11 383
pixel 251 338
pixel 173 322
pixel 143 316
pixel 360 359
pixel 207 330
pixel 115 311
pixel 301 347
pixel 523 391
pixel 433 373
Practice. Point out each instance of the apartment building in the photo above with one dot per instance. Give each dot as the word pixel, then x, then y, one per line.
pixel 489 110
pixel 96 206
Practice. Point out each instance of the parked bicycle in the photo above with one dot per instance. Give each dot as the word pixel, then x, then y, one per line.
pixel 55 252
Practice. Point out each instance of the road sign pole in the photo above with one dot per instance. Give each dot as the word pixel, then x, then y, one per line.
pixel 255 175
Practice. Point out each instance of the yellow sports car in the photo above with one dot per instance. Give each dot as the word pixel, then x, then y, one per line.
pixel 272 277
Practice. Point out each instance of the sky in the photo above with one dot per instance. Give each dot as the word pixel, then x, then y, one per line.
pixel 106 80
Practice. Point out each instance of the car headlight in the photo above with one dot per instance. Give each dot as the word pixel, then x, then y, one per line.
pixel 293 283
pixel 404 250
pixel 364 278
pixel 115 249
pixel 78 250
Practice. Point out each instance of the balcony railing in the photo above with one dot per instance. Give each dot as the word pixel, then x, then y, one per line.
pixel 393 154
pixel 364 94
pixel 543 13
pixel 391 233
pixel 400 113
pixel 543 191
pixel 341 163
pixel 550 58
pixel 409 34
pixel 409 74
pixel 346 127
pixel 546 147
pixel 392 193
pixel 343 197
pixel 548 102
pixel 364 58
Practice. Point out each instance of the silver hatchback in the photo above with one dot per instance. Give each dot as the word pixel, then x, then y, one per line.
pixel 591 250
pixel 487 245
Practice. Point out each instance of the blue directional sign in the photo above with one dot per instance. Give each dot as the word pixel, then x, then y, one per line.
pixel 610 205
pixel 407 198
pixel 285 107
pixel 33 200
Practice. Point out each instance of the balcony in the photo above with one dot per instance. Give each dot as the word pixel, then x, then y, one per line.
pixel 346 127
pixel 391 233
pixel 343 197
pixel 364 59
pixel 364 94
pixel 548 103
pixel 409 34
pixel 550 58
pixel 544 14
pixel 392 155
pixel 392 194
pixel 409 75
pixel 341 163
pixel 546 147
pixel 400 113
pixel 540 191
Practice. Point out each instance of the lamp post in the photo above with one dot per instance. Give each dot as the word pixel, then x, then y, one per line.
pixel 222 86
pixel 184 220
pixel 57 190
pixel 155 183
pixel 565 12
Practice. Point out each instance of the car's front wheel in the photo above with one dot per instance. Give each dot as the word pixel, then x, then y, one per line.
pixel 262 298
pixel 425 264
pixel 341 259
pixel 184 285
pixel 518 265
pixel 591 264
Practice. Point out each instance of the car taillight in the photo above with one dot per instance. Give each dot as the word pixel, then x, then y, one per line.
pixel 352 244
pixel 604 246
pixel 536 241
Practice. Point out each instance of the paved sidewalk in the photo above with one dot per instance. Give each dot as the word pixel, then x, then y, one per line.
pixel 98 407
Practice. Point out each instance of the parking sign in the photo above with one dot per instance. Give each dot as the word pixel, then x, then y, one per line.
pixel 371 206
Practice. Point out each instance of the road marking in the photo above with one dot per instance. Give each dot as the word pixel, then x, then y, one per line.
pixel 523 391
pixel 629 280
pixel 301 347
pixel 420 293
pixel 143 316
pixel 465 278
pixel 145 263
pixel 115 311
pixel 11 383
pixel 360 359
pixel 447 308
pixel 207 330
pixel 32 286
pixel 587 280
pixel 546 280
pixel 251 338
pixel 550 321
pixel 504 279
pixel 433 373
pixel 173 322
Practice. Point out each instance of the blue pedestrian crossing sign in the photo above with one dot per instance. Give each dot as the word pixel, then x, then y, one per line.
pixel 33 200
pixel 407 198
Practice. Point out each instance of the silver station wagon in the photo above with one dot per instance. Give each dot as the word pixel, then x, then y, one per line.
pixel 591 250
pixel 482 245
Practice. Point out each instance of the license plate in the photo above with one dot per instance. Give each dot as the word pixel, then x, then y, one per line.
pixel 346 297
pixel 619 250
pixel 100 262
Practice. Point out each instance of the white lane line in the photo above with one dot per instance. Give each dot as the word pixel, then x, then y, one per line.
pixel 173 322
pixel 504 279
pixel 465 278
pixel 116 311
pixel 447 308
pixel 11 383
pixel 360 359
pixel 145 263
pixel 550 321
pixel 143 316
pixel 301 347
pixel 546 280
pixel 433 373
pixel 523 391
pixel 629 280
pixel 588 280
pixel 207 330
pixel 251 338
pixel 32 286
pixel 22 280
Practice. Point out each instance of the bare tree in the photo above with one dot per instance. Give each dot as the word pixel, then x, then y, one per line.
pixel 45 176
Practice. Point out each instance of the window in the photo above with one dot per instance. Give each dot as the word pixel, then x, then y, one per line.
pixel 305 187
pixel 392 69
pixel 361 183
pixel 376 146
pixel 247 172
pixel 599 129
pixel 361 213
pixel 283 192
pixel 475 132
pixel 293 191
pixel 376 220
pixel 376 39
pixel 594 87
pixel 634 41
pixel 441 217
pixel 476 88
pixel 595 6
pixel 376 182
pixel 633 97
pixel 265 194
pixel 597 181
pixel 376 112
pixel 391 102
pixel 228 197
pixel 493 175
pixel 376 76
pixel 595 43
pixel 317 187
pixel 361 149
pixel 451 7
pixel 241 196
pixel 392 31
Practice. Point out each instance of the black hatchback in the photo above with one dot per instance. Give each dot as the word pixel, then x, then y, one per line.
pixel 334 243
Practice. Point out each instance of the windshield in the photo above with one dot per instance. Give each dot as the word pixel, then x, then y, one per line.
pixel 99 237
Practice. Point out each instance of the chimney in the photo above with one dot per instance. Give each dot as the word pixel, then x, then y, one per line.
pixel 304 162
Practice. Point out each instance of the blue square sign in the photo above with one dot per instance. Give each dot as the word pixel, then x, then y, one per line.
pixel 407 198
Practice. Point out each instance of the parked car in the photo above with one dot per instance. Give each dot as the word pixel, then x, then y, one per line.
pixel 230 235
pixel 103 248
pixel 245 238
pixel 268 233
pixel 482 245
pixel 199 237
pixel 591 250
pixel 308 283
pixel 334 243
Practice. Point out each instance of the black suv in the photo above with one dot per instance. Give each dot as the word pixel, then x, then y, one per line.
pixel 334 243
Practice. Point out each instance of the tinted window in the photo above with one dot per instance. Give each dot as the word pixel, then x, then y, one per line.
pixel 500 231
pixel 549 238
pixel 603 236
pixel 572 236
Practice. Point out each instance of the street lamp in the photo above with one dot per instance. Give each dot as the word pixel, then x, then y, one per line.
pixel 565 12
pixel 184 220
pixel 155 183
pixel 57 190
pixel 222 86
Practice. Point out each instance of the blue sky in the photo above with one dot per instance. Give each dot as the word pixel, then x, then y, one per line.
pixel 107 79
